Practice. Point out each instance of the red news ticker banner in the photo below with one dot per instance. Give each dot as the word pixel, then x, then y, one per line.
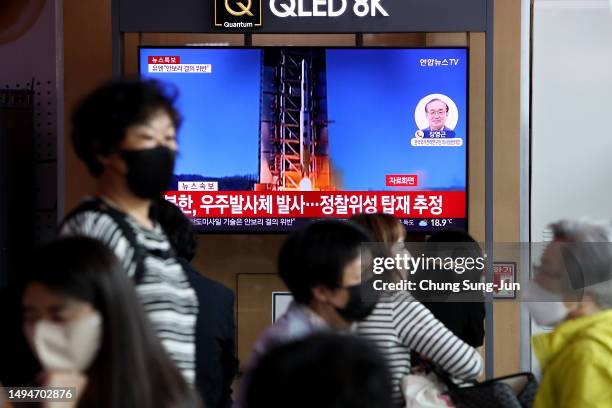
pixel 165 59
pixel 318 204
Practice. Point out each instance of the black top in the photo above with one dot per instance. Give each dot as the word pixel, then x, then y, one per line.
pixel 215 338
pixel 464 319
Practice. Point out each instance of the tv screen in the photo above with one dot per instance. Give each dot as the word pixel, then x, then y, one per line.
pixel 274 137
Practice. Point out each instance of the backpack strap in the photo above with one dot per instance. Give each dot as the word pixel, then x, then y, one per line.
pixel 99 206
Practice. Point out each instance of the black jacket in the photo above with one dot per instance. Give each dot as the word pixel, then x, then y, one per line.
pixel 464 319
pixel 216 362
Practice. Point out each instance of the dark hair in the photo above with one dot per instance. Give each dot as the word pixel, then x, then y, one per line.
pixel 466 246
pixel 433 100
pixel 317 255
pixel 455 243
pixel 322 371
pixel 131 368
pixel 100 121
pixel 451 235
pixel 178 228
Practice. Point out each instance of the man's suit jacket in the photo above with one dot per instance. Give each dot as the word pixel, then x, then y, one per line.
pixel 450 133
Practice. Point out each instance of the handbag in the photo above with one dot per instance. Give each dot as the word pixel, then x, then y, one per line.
pixel 425 391
pixel 511 391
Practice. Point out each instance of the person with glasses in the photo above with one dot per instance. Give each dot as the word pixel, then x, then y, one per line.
pixel 437 114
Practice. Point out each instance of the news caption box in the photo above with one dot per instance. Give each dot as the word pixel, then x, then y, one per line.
pixel 318 204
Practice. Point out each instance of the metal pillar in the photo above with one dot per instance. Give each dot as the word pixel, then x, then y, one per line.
pixel 489 340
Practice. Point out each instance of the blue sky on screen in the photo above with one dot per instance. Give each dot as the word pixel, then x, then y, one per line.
pixel 220 132
pixel 372 95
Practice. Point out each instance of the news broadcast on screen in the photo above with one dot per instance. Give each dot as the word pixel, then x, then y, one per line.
pixel 273 137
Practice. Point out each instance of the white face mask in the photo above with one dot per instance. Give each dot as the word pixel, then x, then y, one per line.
pixel 68 346
pixel 546 308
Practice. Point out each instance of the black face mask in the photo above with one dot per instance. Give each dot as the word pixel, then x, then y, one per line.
pixel 150 171
pixel 357 308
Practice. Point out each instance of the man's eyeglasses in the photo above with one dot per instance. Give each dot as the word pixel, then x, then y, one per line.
pixel 439 113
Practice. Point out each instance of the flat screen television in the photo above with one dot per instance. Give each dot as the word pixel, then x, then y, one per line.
pixel 273 137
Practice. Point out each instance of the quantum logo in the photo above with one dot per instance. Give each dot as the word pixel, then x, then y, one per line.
pixel 238 13
pixel 244 9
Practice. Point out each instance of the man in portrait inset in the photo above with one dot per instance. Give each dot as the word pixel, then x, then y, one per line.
pixel 437 113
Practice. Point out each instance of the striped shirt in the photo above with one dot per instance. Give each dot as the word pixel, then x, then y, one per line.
pixel 400 324
pixel 164 290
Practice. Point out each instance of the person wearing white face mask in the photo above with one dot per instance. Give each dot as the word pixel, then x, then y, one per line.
pixel 546 307
pixel 85 325
pixel 572 291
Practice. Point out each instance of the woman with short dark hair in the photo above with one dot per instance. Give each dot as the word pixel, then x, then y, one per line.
pixel 86 326
pixel 125 133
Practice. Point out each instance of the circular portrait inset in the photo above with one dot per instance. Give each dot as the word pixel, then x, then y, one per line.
pixel 436 113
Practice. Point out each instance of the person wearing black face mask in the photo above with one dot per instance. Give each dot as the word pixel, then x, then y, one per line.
pixel 149 171
pixel 359 305
pixel 322 267
pixel 125 133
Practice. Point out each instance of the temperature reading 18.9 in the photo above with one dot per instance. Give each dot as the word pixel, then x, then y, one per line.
pixel 441 222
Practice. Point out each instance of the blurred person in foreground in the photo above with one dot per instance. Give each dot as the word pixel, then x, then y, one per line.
pixel 215 337
pixel 572 292
pixel 324 371
pixel 400 325
pixel 321 264
pixel 84 323
pixel 125 133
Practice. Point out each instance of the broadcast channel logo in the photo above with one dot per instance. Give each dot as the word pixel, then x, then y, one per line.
pixel 238 13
